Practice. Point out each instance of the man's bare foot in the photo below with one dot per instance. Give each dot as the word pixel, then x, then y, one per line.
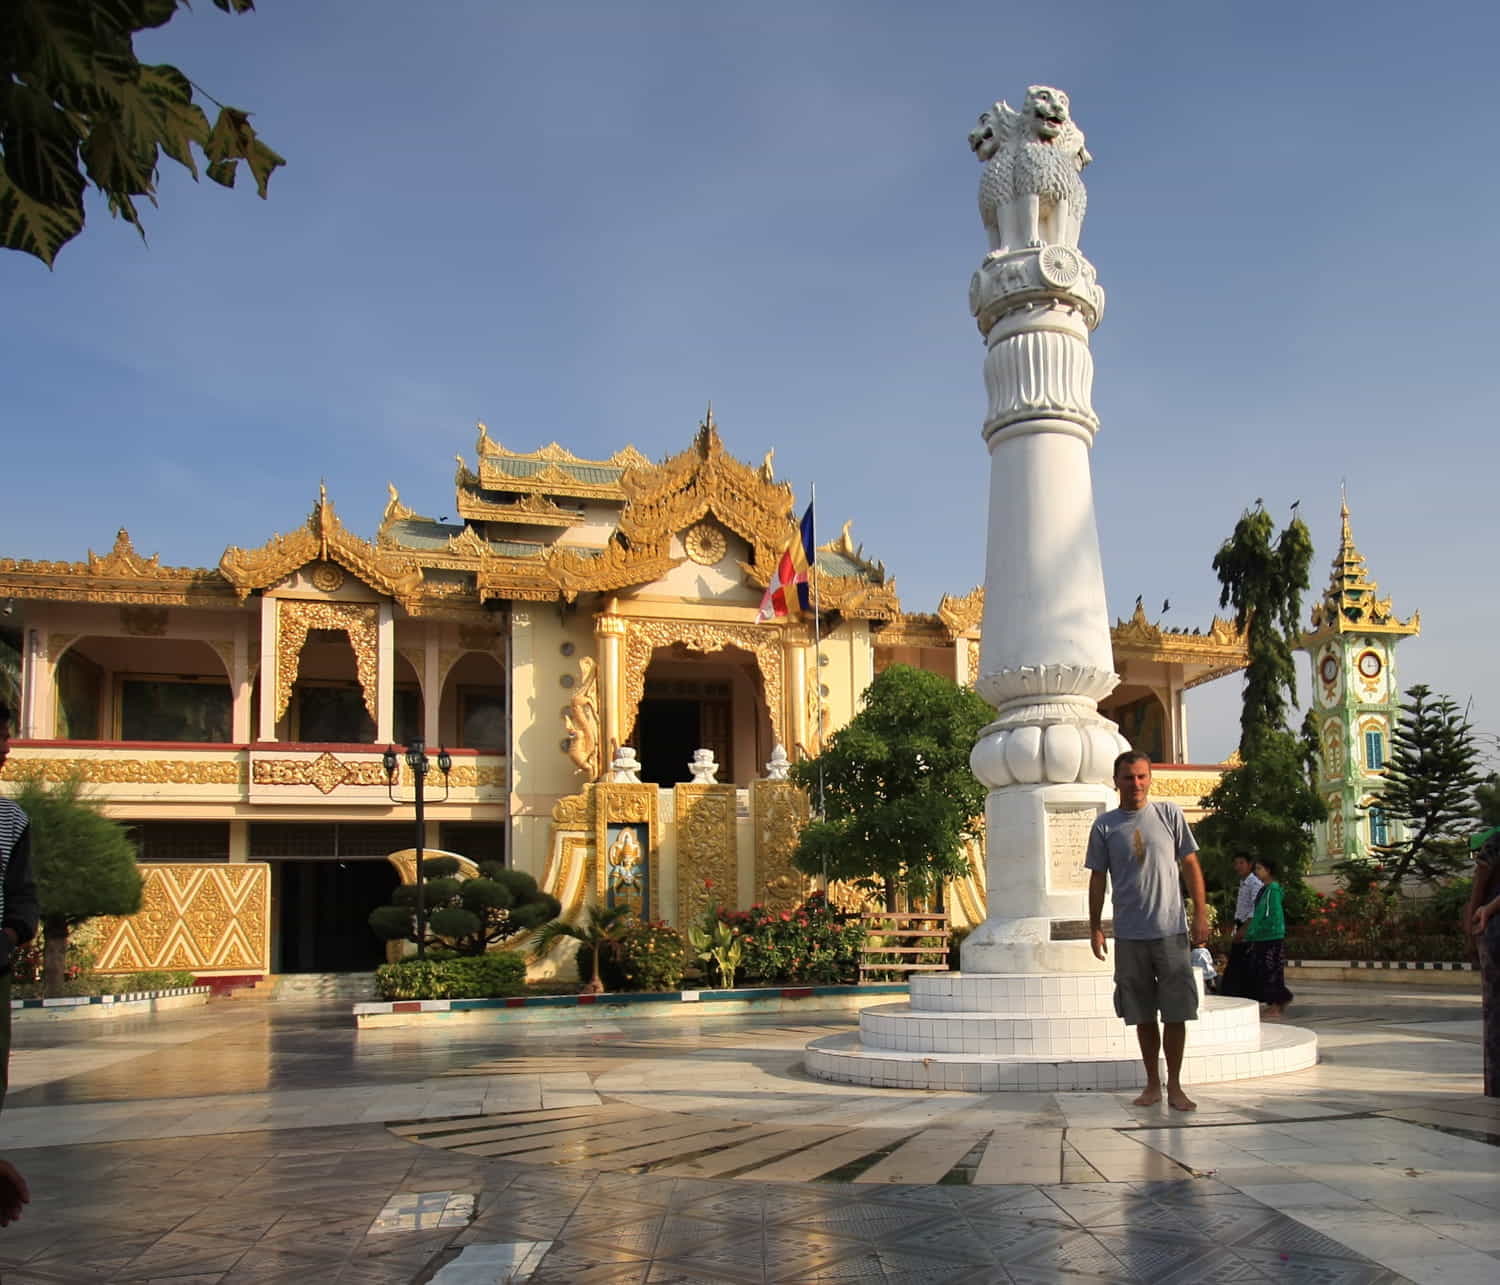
pixel 1179 1101
pixel 1149 1097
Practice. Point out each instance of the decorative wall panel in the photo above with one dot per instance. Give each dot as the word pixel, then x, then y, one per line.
pixel 199 919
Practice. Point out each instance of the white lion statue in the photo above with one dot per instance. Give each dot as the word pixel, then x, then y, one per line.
pixel 1030 192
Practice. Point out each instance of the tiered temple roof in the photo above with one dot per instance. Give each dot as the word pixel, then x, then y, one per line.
pixel 1352 601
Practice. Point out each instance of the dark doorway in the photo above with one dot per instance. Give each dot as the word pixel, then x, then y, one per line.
pixel 668 734
pixel 325 906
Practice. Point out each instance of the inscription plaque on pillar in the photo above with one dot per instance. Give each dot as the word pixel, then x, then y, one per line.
pixel 1067 845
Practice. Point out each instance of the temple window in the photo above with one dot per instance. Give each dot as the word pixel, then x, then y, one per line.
pixel 80 687
pixel 1374 751
pixel 174 709
pixel 481 718
pixel 331 713
pixel 1380 831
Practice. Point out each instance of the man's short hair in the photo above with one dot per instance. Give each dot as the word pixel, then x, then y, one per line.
pixel 1270 866
pixel 1130 756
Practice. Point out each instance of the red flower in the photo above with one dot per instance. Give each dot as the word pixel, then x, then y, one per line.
pixel 786 916
pixel 708 883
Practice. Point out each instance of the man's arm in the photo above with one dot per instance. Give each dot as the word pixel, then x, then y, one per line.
pixel 1192 874
pixel 1098 880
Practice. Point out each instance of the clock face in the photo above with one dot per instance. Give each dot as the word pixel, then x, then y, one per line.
pixel 1369 665
pixel 1329 669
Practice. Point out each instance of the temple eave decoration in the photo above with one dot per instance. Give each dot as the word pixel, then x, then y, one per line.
pixel 119 576
pixel 322 539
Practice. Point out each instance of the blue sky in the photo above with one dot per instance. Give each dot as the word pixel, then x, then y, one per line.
pixel 583 222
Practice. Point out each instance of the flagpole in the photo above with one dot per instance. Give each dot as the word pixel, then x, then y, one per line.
pixel 817 658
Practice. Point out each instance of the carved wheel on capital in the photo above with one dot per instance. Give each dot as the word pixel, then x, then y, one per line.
pixel 327 577
pixel 1059 265
pixel 705 544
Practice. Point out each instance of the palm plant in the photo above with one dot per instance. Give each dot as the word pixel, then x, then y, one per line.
pixel 601 926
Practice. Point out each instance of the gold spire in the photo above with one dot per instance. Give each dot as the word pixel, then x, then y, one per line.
pixel 1352 601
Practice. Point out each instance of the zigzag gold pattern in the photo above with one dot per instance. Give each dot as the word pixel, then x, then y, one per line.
pixel 197 918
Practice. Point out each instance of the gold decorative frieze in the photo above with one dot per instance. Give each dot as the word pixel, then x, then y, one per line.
pixel 642 637
pixel 778 811
pixel 296 617
pixel 194 918
pixel 1166 784
pixel 529 510
pixel 961 615
pixel 707 859
pixel 126 771
pixel 574 811
pixel 119 576
pixel 325 773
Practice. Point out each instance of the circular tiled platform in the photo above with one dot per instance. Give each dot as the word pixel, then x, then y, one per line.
pixel 995 1032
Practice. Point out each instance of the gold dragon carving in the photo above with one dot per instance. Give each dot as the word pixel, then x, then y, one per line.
pixel 294 618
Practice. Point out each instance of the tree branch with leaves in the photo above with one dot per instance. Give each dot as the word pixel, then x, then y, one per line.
pixel 77 107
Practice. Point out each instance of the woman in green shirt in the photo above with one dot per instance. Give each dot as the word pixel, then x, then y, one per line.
pixel 1266 933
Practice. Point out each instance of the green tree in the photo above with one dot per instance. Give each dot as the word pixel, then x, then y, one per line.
pixel 467 916
pixel 601 929
pixel 1487 800
pixel 84 865
pixel 1430 780
pixel 899 797
pixel 1265 805
pixel 77 107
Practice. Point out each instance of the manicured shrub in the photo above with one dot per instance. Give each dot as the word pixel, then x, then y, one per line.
pixel 501 972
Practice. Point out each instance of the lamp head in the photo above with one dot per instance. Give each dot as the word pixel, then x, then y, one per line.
pixel 415 749
pixel 388 761
pixel 445 762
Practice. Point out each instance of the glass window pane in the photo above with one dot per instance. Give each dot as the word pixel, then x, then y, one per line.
pixel 482 718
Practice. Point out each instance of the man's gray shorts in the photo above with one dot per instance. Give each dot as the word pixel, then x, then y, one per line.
pixel 1155 976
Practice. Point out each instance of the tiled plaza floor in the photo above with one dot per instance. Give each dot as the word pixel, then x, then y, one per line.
pixel 253 1143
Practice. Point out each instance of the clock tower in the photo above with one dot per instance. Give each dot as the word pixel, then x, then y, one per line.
pixel 1356 699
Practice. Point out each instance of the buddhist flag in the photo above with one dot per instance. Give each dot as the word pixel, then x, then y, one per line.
pixel 787 594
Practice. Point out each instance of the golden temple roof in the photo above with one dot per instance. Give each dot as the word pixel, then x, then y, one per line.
pixel 1352 602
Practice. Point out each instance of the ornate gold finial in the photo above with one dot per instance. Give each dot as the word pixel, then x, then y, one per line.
pixel 768 466
pixel 1352 601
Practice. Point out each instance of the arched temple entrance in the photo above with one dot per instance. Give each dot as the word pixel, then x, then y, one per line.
pixel 690 701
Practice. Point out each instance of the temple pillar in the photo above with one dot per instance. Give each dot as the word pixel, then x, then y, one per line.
pixel 794 658
pixel 38 686
pixel 609 629
pixel 432 686
pixel 270 628
pixel 385 673
pixel 241 687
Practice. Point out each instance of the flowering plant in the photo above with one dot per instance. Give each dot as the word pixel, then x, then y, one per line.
pixel 650 956
pixel 809 944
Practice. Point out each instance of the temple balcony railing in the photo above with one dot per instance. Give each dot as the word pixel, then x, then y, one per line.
pixel 262 772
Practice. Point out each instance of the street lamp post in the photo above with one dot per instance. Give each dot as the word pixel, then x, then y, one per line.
pixel 417 760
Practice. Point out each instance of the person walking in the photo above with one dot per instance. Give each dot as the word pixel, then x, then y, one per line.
pixel 1482 926
pixel 1239 973
pixel 1143 853
pixel 1266 933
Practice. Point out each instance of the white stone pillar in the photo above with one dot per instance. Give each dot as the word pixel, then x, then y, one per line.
pixel 385 673
pixel 269 631
pixel 1045 659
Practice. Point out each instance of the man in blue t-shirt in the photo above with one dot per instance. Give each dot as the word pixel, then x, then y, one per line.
pixel 1145 852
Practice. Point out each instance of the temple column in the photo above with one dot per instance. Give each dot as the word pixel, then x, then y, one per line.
pixel 432 685
pixel 610 631
pixel 385 673
pixel 240 686
pixel 270 628
pixel 1045 657
pixel 794 651
pixel 38 687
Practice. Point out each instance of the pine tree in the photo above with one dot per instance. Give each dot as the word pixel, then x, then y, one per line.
pixel 1265 805
pixel 1430 780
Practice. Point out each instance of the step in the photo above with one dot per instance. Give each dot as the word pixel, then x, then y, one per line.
pixel 1223 1023
pixel 845 1059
